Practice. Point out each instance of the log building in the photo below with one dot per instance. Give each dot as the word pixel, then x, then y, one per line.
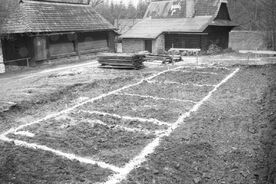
pixel 180 24
pixel 43 30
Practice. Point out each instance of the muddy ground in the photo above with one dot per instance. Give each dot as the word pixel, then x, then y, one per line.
pixel 231 139
pixel 164 111
pixel 87 138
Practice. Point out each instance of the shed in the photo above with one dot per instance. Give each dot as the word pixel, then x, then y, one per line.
pixel 43 30
pixel 180 24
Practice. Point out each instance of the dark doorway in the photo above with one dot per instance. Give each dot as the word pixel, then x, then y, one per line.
pixel 148 45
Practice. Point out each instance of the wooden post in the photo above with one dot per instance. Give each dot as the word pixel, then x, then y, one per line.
pixel 48 48
pixel 197 58
pixel 76 45
pixel 28 63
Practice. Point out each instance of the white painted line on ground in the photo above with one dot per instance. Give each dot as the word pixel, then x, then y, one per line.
pixel 156 98
pixel 186 71
pixel 150 148
pixel 207 67
pixel 24 133
pixel 251 59
pixel 146 132
pixel 12 130
pixel 151 120
pixel 127 129
pixel 183 84
pixel 219 67
pixel 60 153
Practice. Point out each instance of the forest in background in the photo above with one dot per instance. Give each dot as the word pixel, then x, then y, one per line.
pixel 253 15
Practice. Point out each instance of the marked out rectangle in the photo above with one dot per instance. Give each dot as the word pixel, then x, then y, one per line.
pixel 190 77
pixel 171 91
pixel 87 138
pixel 114 121
pixel 124 105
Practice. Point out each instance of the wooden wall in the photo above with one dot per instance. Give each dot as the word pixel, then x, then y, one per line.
pixel 111 41
pixel 61 45
pixel 16 47
pixel 43 46
pixel 92 41
pixel 185 41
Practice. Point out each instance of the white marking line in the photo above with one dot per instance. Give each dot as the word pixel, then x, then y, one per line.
pixel 12 130
pixel 186 71
pixel 152 120
pixel 60 153
pixel 219 67
pixel 3 136
pixel 127 129
pixel 150 148
pixel 183 84
pixel 156 98
pixel 208 67
pixel 24 133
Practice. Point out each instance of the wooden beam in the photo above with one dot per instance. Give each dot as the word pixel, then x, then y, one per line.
pixel 186 33
pixel 48 48
pixel 76 45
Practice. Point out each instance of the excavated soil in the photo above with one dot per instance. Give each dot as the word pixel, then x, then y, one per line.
pixel 20 165
pixel 231 139
pixel 113 121
pixel 124 105
pixel 87 138
pixel 217 70
pixel 173 91
pixel 188 77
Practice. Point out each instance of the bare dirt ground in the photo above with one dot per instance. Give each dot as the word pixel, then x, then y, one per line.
pixel 229 139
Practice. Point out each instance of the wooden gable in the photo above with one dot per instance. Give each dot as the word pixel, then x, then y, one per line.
pixel 223 12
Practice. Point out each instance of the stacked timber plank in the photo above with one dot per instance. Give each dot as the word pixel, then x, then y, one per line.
pixel 121 60
pixel 161 57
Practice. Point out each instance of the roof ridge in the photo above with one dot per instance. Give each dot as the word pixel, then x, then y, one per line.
pixel 42 17
pixel 56 3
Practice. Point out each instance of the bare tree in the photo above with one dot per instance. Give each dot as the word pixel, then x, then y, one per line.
pixel 95 3
pixel 271 21
pixel 5 7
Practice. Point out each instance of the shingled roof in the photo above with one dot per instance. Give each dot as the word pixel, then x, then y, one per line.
pixel 159 19
pixel 152 28
pixel 162 9
pixel 33 16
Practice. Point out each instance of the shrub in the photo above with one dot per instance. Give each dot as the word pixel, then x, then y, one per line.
pixel 214 49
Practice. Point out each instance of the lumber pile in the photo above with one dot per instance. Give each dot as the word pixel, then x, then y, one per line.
pixel 162 57
pixel 121 60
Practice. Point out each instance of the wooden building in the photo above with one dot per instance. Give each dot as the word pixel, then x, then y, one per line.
pixel 180 24
pixel 43 30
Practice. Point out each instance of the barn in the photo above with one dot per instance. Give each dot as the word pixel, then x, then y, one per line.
pixel 43 30
pixel 180 24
